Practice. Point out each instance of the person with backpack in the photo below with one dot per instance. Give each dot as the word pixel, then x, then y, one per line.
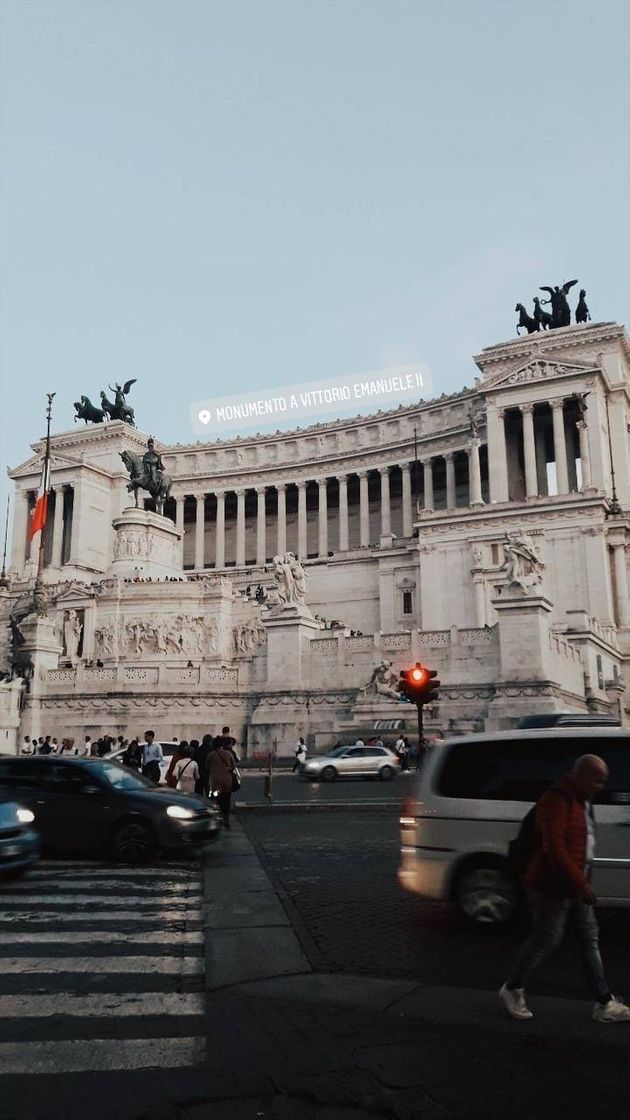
pixel 560 836
pixel 221 766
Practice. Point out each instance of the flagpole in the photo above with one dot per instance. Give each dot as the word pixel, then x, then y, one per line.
pixel 39 597
pixel 3 578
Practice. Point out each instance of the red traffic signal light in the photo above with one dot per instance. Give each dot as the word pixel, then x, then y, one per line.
pixel 419 684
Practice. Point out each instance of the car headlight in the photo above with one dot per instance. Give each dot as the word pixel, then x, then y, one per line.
pixel 25 816
pixel 179 812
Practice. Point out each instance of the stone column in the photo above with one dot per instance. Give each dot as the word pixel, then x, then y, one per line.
pixel 479 589
pixel 407 516
pixel 560 447
pixel 200 529
pixel 364 509
pixel 529 447
pixel 20 523
pixel 621 581
pixel 219 544
pixel 343 513
pixel 585 455
pixel 57 540
pixel 386 513
pixel 180 502
pixel 427 467
pixel 474 474
pixel 77 517
pixel 240 528
pixel 322 539
pixel 281 520
pixel 450 481
pixel 261 526
pixel 302 541
pixel 497 454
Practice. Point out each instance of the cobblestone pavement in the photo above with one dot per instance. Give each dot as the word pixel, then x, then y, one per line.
pixel 337 877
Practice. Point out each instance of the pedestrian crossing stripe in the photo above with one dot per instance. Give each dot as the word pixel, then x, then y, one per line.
pixel 72 901
pixel 100 1055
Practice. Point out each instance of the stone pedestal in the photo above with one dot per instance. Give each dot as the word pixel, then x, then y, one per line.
pixel 529 679
pixel 289 632
pixel 146 545
pixel 523 636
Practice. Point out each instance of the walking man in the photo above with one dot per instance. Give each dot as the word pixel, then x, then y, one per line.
pixel 300 754
pixel 559 880
pixel 152 756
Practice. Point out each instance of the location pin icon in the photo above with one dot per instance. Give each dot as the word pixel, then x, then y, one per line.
pixel 204 415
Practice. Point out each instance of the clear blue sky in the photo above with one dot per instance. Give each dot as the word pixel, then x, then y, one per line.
pixel 215 196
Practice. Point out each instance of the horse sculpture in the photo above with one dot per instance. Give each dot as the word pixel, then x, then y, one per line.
pixel 526 320
pixel 118 412
pixel 582 313
pixel 140 481
pixel 89 412
pixel 543 318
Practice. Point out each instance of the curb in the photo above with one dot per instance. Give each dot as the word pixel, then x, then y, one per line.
pixel 316 806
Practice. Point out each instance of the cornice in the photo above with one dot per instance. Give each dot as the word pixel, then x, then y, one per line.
pixel 563 338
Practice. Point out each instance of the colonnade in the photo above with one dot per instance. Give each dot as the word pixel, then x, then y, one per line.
pixel 264 546
pixel 498 449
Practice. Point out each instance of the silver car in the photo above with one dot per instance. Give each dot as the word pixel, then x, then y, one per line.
pixel 352 762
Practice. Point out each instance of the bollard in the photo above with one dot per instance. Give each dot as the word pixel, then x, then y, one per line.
pixel 268 782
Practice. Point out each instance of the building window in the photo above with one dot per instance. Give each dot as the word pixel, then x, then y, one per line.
pixel 495 554
pixel 407 602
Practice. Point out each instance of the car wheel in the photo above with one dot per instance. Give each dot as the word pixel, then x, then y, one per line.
pixel 386 773
pixel 132 842
pixel 329 774
pixel 486 895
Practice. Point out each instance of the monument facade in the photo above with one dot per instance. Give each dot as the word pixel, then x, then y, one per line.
pixel 291 575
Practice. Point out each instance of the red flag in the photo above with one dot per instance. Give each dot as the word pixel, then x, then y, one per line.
pixel 38 517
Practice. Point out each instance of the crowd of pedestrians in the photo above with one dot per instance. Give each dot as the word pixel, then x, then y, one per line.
pixel 207 768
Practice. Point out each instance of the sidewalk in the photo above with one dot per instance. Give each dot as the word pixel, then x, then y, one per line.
pixel 293 1043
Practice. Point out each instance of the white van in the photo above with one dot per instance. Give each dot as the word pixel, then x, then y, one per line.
pixel 471 797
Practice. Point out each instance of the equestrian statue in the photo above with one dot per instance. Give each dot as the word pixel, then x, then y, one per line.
pixel 147 472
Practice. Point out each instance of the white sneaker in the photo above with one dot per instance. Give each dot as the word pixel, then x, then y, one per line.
pixel 615 1011
pixel 514 1000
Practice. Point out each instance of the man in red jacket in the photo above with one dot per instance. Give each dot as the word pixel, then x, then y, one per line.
pixel 559 881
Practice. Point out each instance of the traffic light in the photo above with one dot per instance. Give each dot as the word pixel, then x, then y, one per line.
pixel 419 684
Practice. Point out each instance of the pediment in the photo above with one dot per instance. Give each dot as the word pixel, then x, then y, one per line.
pixel 35 464
pixel 539 369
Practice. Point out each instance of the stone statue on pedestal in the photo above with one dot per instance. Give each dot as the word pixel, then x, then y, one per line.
pixel 290 579
pixel 522 565
pixel 383 682
pixel 72 630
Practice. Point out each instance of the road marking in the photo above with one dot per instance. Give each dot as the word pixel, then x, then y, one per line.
pixel 103 900
pixel 188 966
pixel 58 937
pixel 104 1005
pixel 100 1055
pixel 138 889
pixel 148 914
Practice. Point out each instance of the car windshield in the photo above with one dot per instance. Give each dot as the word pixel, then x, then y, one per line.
pixel 120 778
pixel 337 752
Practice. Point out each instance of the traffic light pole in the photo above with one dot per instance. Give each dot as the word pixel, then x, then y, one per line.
pixel 420 734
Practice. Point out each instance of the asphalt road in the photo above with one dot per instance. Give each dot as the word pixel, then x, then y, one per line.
pixel 288 788
pixel 337 875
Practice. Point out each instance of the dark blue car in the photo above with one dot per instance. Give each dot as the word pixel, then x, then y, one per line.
pixel 92 805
